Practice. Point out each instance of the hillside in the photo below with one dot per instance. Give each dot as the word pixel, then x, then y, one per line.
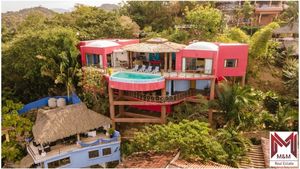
pixel 109 7
pixel 13 19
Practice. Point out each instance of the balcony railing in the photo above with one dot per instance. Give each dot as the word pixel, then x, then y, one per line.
pixel 161 99
pixel 63 148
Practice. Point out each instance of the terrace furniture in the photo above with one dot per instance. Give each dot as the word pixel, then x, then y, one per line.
pixel 156 69
pixel 123 64
pixel 40 150
pixel 149 69
pixel 142 69
pixel 47 149
pixel 92 133
pixel 136 67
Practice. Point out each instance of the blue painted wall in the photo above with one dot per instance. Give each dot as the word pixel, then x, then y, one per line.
pixel 169 87
pixel 74 99
pixel 201 84
pixel 80 158
pixel 181 85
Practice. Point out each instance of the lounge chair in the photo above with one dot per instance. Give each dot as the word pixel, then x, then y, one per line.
pixel 136 68
pixel 156 69
pixel 142 69
pixel 149 69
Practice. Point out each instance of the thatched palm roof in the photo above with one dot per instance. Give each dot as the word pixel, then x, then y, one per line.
pixel 59 123
pixel 293 28
pixel 154 45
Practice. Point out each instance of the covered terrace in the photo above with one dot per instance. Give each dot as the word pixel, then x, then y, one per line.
pixel 154 52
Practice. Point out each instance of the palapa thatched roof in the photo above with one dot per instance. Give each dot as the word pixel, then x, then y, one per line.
pixel 287 29
pixel 55 124
pixel 155 45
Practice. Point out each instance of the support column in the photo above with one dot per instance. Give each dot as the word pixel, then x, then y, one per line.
pixel 170 62
pixel 243 80
pixel 163 108
pixel 121 107
pixel 212 89
pixel 129 59
pixel 259 18
pixel 166 62
pixel 211 97
pixel 78 137
pixel 111 105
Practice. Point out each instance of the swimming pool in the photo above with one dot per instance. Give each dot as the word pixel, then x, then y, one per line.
pixel 135 77
pixel 134 81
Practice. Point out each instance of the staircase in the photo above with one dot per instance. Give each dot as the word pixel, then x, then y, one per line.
pixel 254 158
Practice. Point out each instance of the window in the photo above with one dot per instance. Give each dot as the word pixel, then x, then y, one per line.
pixel 93 154
pixel 94 60
pixel 106 151
pixel 230 63
pixel 59 163
pixel 190 63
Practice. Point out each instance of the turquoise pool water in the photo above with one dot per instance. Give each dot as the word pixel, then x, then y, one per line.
pixel 135 77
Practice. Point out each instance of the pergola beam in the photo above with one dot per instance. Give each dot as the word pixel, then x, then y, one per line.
pixel 129 114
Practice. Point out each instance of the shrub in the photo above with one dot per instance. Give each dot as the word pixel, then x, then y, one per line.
pixel 234 144
pixel 12 151
pixel 190 111
pixel 193 138
pixel 291 75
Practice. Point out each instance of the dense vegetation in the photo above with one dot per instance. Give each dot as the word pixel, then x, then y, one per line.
pixel 40 58
pixel 195 140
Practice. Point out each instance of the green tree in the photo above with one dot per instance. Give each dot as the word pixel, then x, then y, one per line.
pixel 158 15
pixel 19 126
pixel 11 151
pixel 22 68
pixel 247 10
pixel 259 41
pixel 237 35
pixel 206 22
pixel 291 75
pixel 291 14
pixel 94 23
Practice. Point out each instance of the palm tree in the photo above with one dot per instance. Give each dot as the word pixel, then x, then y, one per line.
pixel 63 72
pixel 232 99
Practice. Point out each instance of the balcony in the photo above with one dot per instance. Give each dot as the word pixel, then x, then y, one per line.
pixel 64 149
pixel 268 9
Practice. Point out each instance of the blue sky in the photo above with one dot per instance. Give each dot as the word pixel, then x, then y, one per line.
pixel 15 5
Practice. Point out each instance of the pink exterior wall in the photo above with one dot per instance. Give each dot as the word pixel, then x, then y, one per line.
pixel 226 51
pixel 102 51
pixel 153 108
pixel 137 86
pixel 185 53
pixel 234 51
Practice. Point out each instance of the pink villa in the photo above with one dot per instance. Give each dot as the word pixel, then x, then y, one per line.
pixel 148 79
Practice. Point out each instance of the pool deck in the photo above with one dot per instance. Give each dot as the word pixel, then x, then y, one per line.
pixel 174 75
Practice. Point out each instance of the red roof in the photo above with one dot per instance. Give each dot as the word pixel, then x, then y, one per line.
pixel 164 160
